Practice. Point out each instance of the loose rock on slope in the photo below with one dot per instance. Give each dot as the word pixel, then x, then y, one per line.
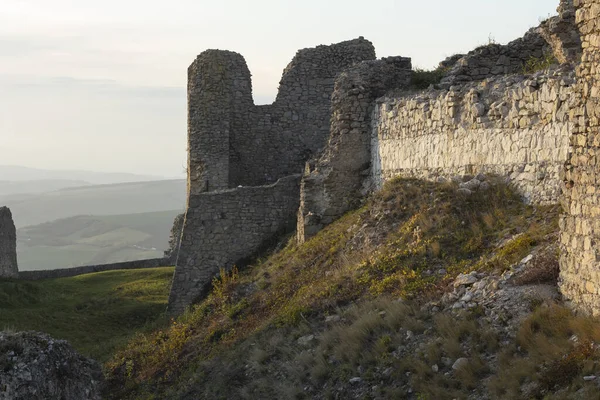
pixel 35 366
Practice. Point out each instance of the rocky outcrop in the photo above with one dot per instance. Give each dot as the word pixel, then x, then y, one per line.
pixel 34 366
pixel 8 245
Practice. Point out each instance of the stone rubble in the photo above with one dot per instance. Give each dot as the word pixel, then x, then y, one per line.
pixel 34 366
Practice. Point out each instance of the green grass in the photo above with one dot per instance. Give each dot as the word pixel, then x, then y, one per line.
pixel 88 240
pixel 392 246
pixel 96 312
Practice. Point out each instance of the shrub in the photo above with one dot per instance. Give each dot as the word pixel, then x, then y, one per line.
pixel 422 79
pixel 535 64
pixel 543 268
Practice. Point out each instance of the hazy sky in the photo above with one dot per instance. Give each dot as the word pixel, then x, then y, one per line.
pixel 100 85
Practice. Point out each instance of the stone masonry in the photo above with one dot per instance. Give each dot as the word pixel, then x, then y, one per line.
pixel 515 126
pixel 495 59
pixel 223 228
pixel 580 225
pixel 562 35
pixel 244 160
pixel 479 119
pixel 232 142
pixel 334 183
pixel 8 245
pixel 351 122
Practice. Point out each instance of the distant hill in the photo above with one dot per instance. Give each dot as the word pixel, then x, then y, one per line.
pixel 19 173
pixel 114 199
pixel 37 186
pixel 85 240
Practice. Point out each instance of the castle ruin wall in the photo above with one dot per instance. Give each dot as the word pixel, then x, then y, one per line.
pixel 514 126
pixel 495 59
pixel 244 160
pixel 8 245
pixel 223 228
pixel 580 225
pixel 333 184
pixel 233 142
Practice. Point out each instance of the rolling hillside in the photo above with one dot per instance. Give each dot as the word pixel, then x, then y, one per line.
pixel 113 199
pixel 18 173
pixel 85 240
pixel 96 313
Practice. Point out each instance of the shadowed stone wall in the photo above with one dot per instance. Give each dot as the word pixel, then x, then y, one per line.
pixel 244 160
pixel 580 226
pixel 222 228
pixel 232 142
pixel 334 183
pixel 8 245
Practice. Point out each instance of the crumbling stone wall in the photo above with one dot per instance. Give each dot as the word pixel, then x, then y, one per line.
pixel 8 245
pixel 222 228
pixel 515 126
pixel 495 59
pixel 580 226
pixel 562 34
pixel 244 160
pixel 232 142
pixel 334 183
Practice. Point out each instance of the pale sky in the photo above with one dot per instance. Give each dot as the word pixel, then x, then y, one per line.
pixel 100 85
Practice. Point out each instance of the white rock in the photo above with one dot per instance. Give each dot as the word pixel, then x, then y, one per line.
pixel 465 280
pixel 526 259
pixel 332 318
pixel 461 362
pixel 306 340
pixel 467 297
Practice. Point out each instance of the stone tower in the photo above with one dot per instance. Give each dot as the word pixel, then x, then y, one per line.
pixel 8 245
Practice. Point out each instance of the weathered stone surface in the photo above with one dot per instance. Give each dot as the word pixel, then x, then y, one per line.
pixel 494 59
pixel 515 126
pixel 223 228
pixel 244 160
pixel 562 34
pixel 232 142
pixel 34 366
pixel 333 184
pixel 8 245
pixel 580 225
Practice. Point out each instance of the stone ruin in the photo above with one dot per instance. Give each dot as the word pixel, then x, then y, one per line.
pixel 343 123
pixel 8 245
pixel 580 224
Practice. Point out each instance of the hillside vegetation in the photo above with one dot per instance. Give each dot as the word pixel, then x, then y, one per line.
pixel 96 313
pixel 89 240
pixel 355 312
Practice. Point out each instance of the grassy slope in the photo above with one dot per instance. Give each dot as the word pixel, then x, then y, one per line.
pixel 85 240
pixel 95 312
pixel 392 246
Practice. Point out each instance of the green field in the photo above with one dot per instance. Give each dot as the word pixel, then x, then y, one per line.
pixel 89 240
pixel 96 313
